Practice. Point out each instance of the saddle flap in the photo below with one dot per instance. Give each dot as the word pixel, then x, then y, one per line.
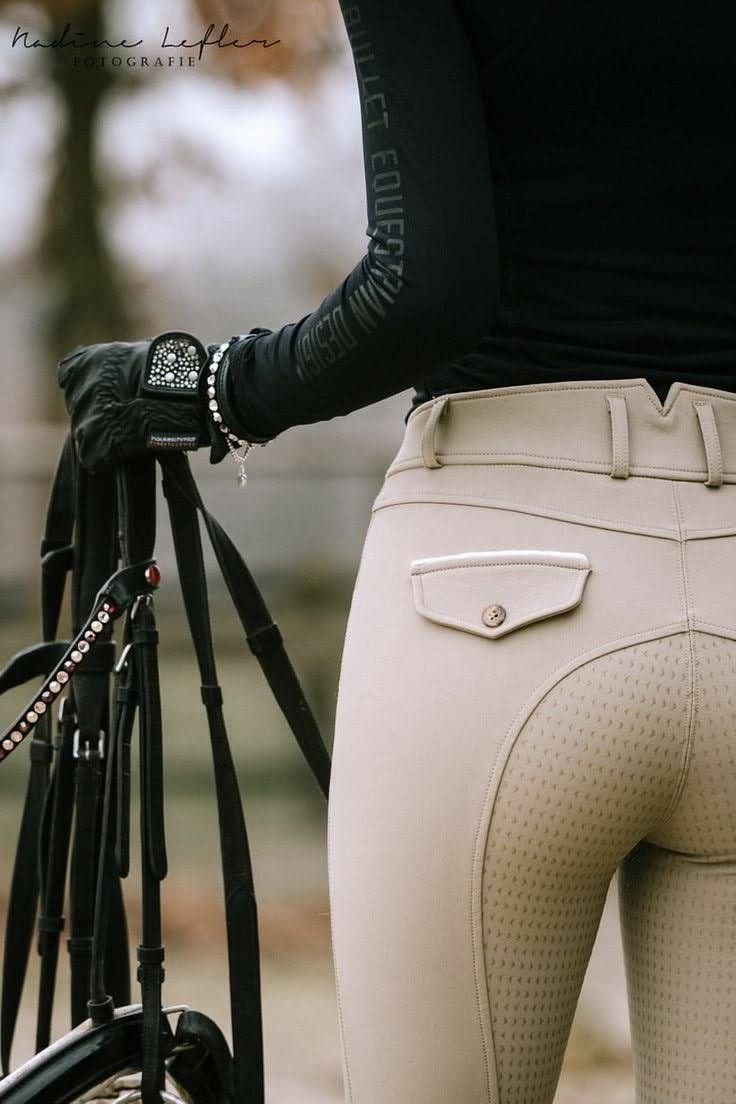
pixel 491 593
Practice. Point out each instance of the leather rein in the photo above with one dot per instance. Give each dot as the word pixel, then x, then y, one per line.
pixel 78 730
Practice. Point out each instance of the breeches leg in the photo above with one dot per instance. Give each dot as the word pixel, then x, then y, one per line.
pixel 485 791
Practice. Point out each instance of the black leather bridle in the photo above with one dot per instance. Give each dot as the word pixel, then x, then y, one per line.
pixel 78 729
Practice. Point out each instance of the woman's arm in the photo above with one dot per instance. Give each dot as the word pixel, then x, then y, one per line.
pixel 426 289
pixel 424 293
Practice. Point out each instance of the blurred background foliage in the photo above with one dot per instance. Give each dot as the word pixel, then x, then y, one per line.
pixel 90 302
pixel 213 199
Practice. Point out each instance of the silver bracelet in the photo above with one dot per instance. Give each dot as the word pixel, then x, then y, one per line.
pixel 237 446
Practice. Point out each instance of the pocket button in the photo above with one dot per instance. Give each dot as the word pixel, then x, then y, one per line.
pixel 493 615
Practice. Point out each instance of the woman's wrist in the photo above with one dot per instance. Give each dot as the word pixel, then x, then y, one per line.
pixel 227 435
pixel 251 386
pixel 224 391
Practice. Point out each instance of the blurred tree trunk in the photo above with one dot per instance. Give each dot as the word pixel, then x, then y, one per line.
pixel 86 303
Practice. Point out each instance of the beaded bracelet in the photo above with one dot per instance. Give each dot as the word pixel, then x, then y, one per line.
pixel 238 447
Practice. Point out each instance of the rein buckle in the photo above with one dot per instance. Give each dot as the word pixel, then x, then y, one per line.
pixel 87 753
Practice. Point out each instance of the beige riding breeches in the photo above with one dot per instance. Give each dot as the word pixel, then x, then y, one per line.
pixel 538 689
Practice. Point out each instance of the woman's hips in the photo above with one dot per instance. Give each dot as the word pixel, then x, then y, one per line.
pixel 527 598
pixel 486 563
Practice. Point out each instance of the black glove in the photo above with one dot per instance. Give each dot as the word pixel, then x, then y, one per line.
pixel 126 398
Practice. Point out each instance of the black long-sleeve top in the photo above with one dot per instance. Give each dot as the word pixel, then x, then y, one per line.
pixel 551 195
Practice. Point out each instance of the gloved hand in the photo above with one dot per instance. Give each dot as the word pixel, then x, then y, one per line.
pixel 119 411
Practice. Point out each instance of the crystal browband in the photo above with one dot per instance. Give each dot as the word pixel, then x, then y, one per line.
pixel 117 595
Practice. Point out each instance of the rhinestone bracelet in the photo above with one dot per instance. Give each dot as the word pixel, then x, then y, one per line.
pixel 237 446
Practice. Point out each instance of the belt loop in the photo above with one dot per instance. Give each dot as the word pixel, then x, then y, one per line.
pixel 619 436
pixel 712 442
pixel 429 433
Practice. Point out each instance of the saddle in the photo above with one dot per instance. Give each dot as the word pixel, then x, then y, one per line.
pixel 77 731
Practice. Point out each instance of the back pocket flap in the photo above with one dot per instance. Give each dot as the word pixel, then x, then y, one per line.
pixel 493 593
